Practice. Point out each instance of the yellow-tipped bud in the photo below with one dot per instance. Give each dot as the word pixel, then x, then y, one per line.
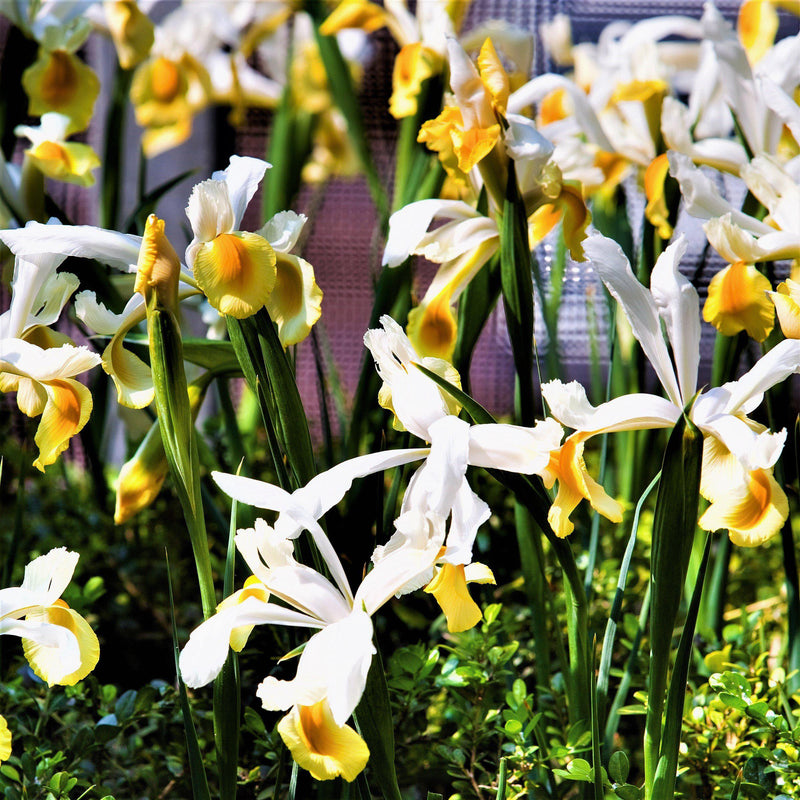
pixel 159 267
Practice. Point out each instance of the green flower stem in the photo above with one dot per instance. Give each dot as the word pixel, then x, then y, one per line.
pixel 112 179
pixel 177 431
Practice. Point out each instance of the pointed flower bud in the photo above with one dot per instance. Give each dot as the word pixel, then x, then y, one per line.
pixel 158 268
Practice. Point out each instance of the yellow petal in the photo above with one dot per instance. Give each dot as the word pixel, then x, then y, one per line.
pixel 46 661
pixel 436 135
pixel 432 328
pixel 788 308
pixel 60 81
pixel 320 746
pixel 656 211
pixel 413 65
pixel 65 161
pixel 568 208
pixel 449 587
pixel 131 375
pixel 365 16
pixel 295 303
pixel 752 511
pixel 575 484
pixel 493 75
pixel 68 407
pixel 131 31
pixel 5 740
pixel 757 25
pixel 237 272
pixel 31 395
pixel 737 300
pixel 474 145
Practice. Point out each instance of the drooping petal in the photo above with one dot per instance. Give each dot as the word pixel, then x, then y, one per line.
pixel 295 303
pixel 237 272
pixel 47 661
pixel 322 747
pixel 737 301
pixel 449 587
pixel 575 484
pixel 752 511
pixel 787 306
pixel 5 740
pixel 332 666
pixel 69 405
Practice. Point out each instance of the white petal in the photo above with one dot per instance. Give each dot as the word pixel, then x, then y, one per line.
pixel 409 225
pixel 570 406
pixel 242 177
pixel 513 447
pixel 204 654
pixel 333 664
pixel 120 250
pixel 283 230
pixel 613 268
pixel 679 307
pixel 210 213
pixel 50 574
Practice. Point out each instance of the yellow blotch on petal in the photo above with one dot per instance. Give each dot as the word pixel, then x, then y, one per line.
pixel 5 740
pixel 757 25
pixel 656 211
pixel 320 746
pixel 432 328
pixel 237 273
pixel 295 303
pixel 413 65
pixel 68 407
pixel 752 512
pixel 360 14
pixel 253 587
pixel 449 587
pixel 131 31
pixel 494 76
pixel 46 661
pixel 737 300
pixel 553 107
pixel 787 305
pixel 473 145
pixel 60 81
pixel 574 484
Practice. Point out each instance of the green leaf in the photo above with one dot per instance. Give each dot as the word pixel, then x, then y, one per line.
pixel 374 719
pixel 124 707
pixel 674 523
pixel 618 766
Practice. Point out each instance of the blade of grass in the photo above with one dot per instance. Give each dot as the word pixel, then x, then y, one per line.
pixel 196 769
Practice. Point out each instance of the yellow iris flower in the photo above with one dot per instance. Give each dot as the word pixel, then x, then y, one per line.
pixel 53 156
pixel 5 740
pixel 58 81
